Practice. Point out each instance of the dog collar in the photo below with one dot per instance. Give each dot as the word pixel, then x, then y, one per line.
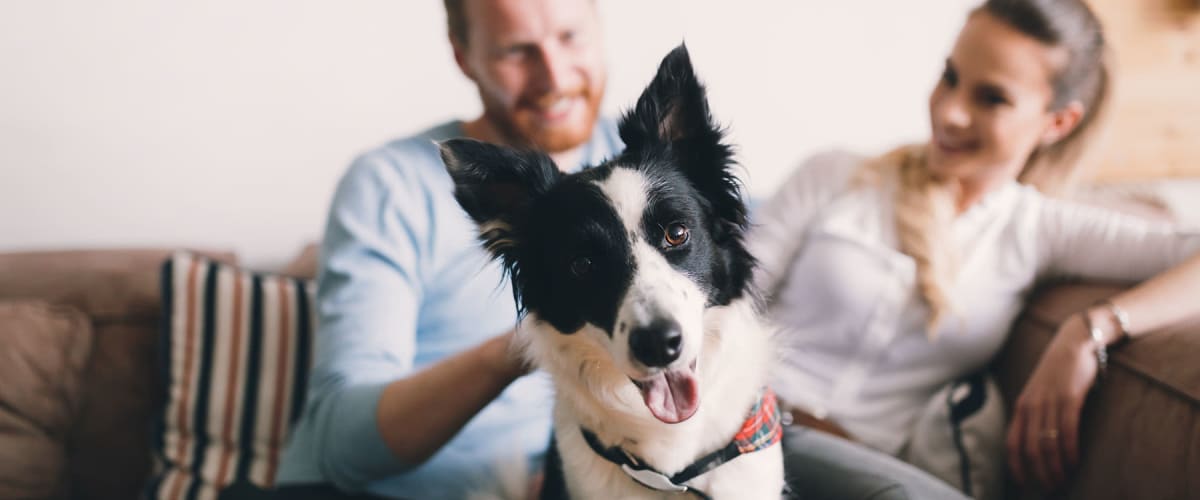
pixel 761 429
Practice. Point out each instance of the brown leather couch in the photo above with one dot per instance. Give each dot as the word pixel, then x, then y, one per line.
pixel 79 373
pixel 79 381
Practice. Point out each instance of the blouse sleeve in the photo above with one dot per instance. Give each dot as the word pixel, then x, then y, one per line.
pixel 1091 242
pixel 779 224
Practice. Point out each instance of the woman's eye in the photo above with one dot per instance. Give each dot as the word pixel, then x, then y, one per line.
pixel 993 99
pixel 580 266
pixel 675 234
pixel 950 77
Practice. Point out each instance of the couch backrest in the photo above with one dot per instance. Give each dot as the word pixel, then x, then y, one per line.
pixel 108 443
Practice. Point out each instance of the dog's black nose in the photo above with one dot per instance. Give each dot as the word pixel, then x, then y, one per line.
pixel 657 344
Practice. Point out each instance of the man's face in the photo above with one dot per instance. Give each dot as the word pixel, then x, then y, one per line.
pixel 539 68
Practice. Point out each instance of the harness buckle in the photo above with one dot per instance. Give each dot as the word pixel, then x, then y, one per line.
pixel 652 479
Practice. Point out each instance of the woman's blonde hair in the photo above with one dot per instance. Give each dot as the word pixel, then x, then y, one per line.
pixel 925 206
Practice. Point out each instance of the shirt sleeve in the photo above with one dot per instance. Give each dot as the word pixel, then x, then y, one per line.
pixel 779 224
pixel 1085 241
pixel 368 296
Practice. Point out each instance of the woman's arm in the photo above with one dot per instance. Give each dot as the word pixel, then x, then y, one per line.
pixel 1083 241
pixel 1043 436
pixel 1163 301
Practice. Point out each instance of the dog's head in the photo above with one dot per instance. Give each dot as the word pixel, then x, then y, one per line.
pixel 628 254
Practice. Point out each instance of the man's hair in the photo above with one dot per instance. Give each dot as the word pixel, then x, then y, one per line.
pixel 456 20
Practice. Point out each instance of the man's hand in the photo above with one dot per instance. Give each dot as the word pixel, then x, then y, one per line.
pixel 508 359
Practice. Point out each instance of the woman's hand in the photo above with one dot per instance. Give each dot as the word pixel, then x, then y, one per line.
pixel 1043 438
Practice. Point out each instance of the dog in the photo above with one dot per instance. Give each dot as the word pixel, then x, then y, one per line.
pixel 636 291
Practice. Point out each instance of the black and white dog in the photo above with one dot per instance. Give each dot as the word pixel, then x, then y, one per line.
pixel 636 287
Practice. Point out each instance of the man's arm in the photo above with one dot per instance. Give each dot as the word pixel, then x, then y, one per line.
pixel 418 414
pixel 373 415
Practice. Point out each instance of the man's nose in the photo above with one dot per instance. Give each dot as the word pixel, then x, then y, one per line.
pixel 556 68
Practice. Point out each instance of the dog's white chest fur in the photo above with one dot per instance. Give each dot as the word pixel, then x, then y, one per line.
pixel 591 394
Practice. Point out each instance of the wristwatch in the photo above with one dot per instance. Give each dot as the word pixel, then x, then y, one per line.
pixel 1120 317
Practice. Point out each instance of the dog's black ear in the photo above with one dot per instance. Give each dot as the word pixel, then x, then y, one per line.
pixel 672 121
pixel 495 186
pixel 672 108
pixel 672 116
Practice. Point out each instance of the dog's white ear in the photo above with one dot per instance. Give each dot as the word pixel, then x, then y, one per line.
pixel 495 185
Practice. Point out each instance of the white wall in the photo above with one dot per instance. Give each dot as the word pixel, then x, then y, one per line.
pixel 226 123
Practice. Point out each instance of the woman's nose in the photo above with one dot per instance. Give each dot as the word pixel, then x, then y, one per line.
pixel 952 111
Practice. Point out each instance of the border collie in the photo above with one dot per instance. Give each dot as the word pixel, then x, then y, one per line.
pixel 635 288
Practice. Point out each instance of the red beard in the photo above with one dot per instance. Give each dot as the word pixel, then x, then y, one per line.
pixel 523 128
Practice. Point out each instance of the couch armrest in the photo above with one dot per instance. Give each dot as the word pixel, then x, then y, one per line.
pixel 1140 434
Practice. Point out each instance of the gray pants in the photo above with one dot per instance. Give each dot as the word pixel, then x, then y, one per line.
pixel 824 467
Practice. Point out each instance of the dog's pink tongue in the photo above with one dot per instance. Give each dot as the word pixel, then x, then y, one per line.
pixel 671 396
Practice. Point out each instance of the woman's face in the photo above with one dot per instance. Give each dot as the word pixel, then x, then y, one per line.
pixel 991 107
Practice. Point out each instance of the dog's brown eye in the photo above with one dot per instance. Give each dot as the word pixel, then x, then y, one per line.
pixel 676 234
pixel 580 266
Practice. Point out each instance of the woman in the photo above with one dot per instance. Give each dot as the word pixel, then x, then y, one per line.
pixel 895 276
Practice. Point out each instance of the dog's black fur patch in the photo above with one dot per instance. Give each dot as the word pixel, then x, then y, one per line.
pixel 546 227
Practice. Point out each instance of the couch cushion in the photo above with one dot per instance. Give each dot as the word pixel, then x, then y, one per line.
pixel 236 346
pixel 43 351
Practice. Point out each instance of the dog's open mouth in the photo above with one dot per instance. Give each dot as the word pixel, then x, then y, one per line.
pixel 671 395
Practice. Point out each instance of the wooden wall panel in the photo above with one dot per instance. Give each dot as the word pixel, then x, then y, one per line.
pixel 1155 123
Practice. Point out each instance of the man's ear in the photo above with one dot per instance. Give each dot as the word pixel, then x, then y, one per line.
pixel 460 57
pixel 496 185
pixel 1062 122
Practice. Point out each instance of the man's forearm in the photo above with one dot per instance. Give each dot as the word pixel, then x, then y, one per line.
pixel 418 414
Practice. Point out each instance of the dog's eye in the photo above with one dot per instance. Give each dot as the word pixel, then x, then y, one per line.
pixel 580 266
pixel 675 235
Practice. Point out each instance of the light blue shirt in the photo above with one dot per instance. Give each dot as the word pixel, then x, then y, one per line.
pixel 404 283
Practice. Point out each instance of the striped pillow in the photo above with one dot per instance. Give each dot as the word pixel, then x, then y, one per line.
pixel 236 350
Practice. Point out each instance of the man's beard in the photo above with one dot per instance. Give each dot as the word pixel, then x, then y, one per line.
pixel 520 129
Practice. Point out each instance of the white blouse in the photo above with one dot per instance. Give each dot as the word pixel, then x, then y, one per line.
pixel 853 341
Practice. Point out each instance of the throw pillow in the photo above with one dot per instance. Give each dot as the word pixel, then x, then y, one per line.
pixel 236 348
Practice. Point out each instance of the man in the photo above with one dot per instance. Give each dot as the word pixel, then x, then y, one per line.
pixel 414 391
